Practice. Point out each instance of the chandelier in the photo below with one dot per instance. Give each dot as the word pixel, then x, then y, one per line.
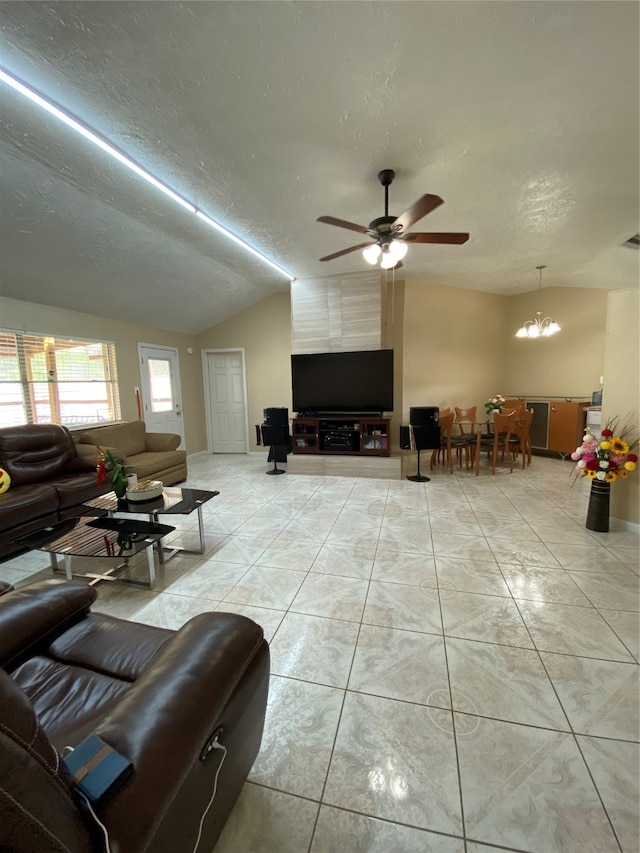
pixel 538 328
pixel 388 253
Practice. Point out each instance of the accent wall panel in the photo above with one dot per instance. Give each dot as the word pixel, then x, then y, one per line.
pixel 336 313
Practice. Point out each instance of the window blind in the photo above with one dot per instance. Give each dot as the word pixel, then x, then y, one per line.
pixel 46 379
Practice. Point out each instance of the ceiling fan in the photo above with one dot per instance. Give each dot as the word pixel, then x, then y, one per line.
pixel 390 232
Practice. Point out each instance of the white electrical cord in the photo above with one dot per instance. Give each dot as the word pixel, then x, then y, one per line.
pixel 215 745
pixel 99 822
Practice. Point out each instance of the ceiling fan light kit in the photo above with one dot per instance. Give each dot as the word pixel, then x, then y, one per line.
pixel 390 233
pixel 538 328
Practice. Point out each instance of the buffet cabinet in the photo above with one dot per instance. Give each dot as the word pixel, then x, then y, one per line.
pixel 359 436
pixel 558 423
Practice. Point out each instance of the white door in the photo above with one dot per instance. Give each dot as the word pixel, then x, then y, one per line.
pixel 226 397
pixel 160 386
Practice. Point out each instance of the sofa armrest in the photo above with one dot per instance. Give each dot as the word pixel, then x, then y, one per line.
pixel 88 453
pixel 158 442
pixel 164 721
pixel 33 615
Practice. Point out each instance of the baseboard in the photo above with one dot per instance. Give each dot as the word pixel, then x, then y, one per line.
pixel 623 524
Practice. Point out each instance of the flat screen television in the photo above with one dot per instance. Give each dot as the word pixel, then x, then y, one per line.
pixel 332 382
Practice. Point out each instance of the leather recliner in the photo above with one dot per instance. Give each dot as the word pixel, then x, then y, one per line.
pixel 154 695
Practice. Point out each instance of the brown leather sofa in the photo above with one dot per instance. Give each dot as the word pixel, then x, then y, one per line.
pixel 49 480
pixel 154 695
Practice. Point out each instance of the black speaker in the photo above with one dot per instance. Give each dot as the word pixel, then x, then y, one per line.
pixel 426 437
pixel 276 417
pixel 273 434
pixel 424 416
pixel 405 438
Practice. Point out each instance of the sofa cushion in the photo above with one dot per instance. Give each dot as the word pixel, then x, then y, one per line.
pixel 128 438
pixel 24 503
pixel 35 453
pixel 147 465
pixel 78 488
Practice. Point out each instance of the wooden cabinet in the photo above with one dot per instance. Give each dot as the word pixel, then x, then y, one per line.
pixel 558 423
pixel 356 436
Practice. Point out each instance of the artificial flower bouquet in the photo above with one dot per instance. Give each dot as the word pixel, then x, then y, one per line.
pixel 493 404
pixel 606 458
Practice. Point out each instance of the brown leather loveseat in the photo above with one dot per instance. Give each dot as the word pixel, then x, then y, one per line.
pixel 49 480
pixel 154 695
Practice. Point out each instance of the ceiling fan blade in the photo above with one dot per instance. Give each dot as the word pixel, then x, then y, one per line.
pixel 342 223
pixel 345 251
pixel 425 204
pixel 441 237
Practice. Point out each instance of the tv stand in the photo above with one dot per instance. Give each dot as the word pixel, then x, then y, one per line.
pixel 354 435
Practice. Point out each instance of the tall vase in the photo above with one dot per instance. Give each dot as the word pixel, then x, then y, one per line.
pixel 598 511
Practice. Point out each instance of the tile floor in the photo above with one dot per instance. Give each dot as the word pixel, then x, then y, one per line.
pixel 455 663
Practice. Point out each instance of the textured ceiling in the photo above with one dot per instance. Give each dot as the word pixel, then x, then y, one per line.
pixel 522 116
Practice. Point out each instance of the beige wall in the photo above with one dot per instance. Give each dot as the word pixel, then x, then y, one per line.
pixel 452 346
pixel 622 389
pixel 567 364
pixel 28 316
pixel 264 330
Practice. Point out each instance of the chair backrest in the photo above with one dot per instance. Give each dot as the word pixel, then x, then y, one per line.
pixel 509 410
pixel 32 453
pixel 465 416
pixel 446 422
pixel 503 426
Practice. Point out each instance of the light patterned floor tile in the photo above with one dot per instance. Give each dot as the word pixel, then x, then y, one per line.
pixel 343 560
pixel 615 592
pixel 571 630
pixel 599 697
pixel 300 728
pixel 285 553
pixel 528 788
pixel 395 605
pixel 626 625
pixel 614 767
pixel 588 558
pixel 461 547
pixel 375 768
pixel 502 682
pixel 537 584
pixel 266 821
pixel 489 618
pixel 263 586
pixel 470 576
pixel 331 596
pixel 522 553
pixel 313 648
pixel 172 611
pixel 339 831
pixel 395 566
pixel 401 665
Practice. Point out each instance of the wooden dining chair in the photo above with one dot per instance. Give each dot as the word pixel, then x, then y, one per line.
pixel 520 441
pixel 443 453
pixel 466 423
pixel 499 441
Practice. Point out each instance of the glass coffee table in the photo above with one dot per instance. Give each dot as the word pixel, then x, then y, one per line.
pixel 174 500
pixel 104 537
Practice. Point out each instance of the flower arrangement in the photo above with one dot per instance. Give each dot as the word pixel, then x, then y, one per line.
pixel 607 458
pixel 494 403
pixel 108 466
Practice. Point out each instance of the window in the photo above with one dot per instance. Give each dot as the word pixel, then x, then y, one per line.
pixel 57 380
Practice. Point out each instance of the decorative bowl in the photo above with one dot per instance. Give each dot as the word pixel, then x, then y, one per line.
pixel 147 490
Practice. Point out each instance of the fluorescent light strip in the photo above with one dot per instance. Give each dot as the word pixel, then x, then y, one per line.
pixel 109 149
pixel 240 242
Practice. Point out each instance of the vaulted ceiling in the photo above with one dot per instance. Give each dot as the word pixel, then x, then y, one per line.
pixel 522 116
